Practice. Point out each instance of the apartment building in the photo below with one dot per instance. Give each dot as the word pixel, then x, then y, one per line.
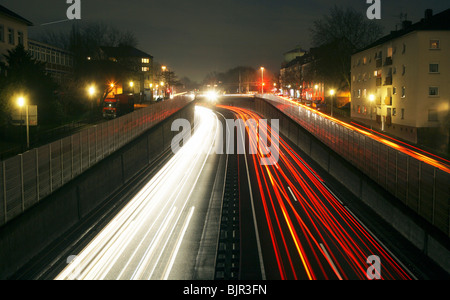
pixel 400 84
pixel 13 31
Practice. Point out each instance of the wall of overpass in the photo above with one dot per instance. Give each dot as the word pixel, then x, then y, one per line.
pixel 33 229
pixel 360 179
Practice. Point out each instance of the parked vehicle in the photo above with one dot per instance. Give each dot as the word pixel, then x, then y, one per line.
pixel 118 106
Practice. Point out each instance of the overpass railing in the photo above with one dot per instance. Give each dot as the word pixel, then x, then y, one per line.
pixel 27 178
pixel 419 183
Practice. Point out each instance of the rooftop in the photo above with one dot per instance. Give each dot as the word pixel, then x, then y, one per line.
pixel 430 22
pixel 11 14
pixel 125 51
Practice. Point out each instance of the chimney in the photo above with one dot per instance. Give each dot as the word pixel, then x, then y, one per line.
pixel 406 24
pixel 428 14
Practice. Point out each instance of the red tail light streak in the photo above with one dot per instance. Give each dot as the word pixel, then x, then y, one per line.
pixel 310 233
pixel 419 154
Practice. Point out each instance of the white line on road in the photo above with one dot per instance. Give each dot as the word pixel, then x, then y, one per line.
pixel 331 261
pixel 177 248
pixel 295 198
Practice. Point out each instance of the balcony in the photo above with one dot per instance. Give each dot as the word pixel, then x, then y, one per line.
pixel 379 63
pixel 388 61
pixel 388 80
pixel 379 81
pixel 388 100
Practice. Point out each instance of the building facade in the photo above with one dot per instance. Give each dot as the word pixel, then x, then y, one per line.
pixel 58 62
pixel 140 64
pixel 400 84
pixel 13 31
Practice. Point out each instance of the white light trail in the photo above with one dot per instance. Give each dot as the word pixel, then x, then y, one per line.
pixel 145 238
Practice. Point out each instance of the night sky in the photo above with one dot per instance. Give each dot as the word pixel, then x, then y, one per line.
pixel 197 37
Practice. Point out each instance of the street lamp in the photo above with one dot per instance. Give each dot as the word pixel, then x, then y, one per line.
pixel 91 92
pixel 21 103
pixel 371 98
pixel 332 93
pixel 262 80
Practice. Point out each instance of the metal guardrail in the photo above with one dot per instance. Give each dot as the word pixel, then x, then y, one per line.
pixel 27 178
pixel 422 187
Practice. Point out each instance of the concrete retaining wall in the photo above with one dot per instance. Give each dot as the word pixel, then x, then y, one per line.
pixel 29 234
pixel 422 235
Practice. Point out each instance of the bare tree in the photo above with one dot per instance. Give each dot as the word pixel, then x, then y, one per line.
pixel 336 37
pixel 345 23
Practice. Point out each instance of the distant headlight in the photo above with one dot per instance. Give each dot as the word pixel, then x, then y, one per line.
pixel 211 96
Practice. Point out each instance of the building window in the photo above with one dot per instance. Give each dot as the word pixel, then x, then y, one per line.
pixel 389 52
pixel 433 115
pixel 433 91
pixel 2 33
pixel 434 44
pixel 394 90
pixel 394 112
pixel 403 92
pixel 145 60
pixel 404 49
pixel 11 36
pixel 434 68
pixel 404 70
pixel 403 113
pixel 145 69
pixel 20 37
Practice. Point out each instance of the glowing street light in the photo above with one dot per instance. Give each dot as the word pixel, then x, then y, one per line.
pixel 91 91
pixel 262 80
pixel 332 93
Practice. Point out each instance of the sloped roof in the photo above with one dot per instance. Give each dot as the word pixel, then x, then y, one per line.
pixel 125 51
pixel 439 21
pixel 11 14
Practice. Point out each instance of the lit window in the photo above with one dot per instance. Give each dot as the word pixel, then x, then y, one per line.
pixel 145 60
pixel 145 69
pixel 389 52
pixel 434 44
pixel 433 91
pixel 434 68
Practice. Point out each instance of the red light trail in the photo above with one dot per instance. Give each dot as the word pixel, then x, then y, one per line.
pixel 311 234
pixel 419 154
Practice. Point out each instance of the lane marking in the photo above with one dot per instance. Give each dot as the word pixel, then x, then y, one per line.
pixel 255 223
pixel 331 261
pixel 177 248
pixel 295 198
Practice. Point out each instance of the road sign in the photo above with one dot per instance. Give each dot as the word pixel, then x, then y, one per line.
pixel 19 116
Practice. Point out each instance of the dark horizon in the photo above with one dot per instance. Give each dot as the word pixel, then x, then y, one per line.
pixel 199 37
